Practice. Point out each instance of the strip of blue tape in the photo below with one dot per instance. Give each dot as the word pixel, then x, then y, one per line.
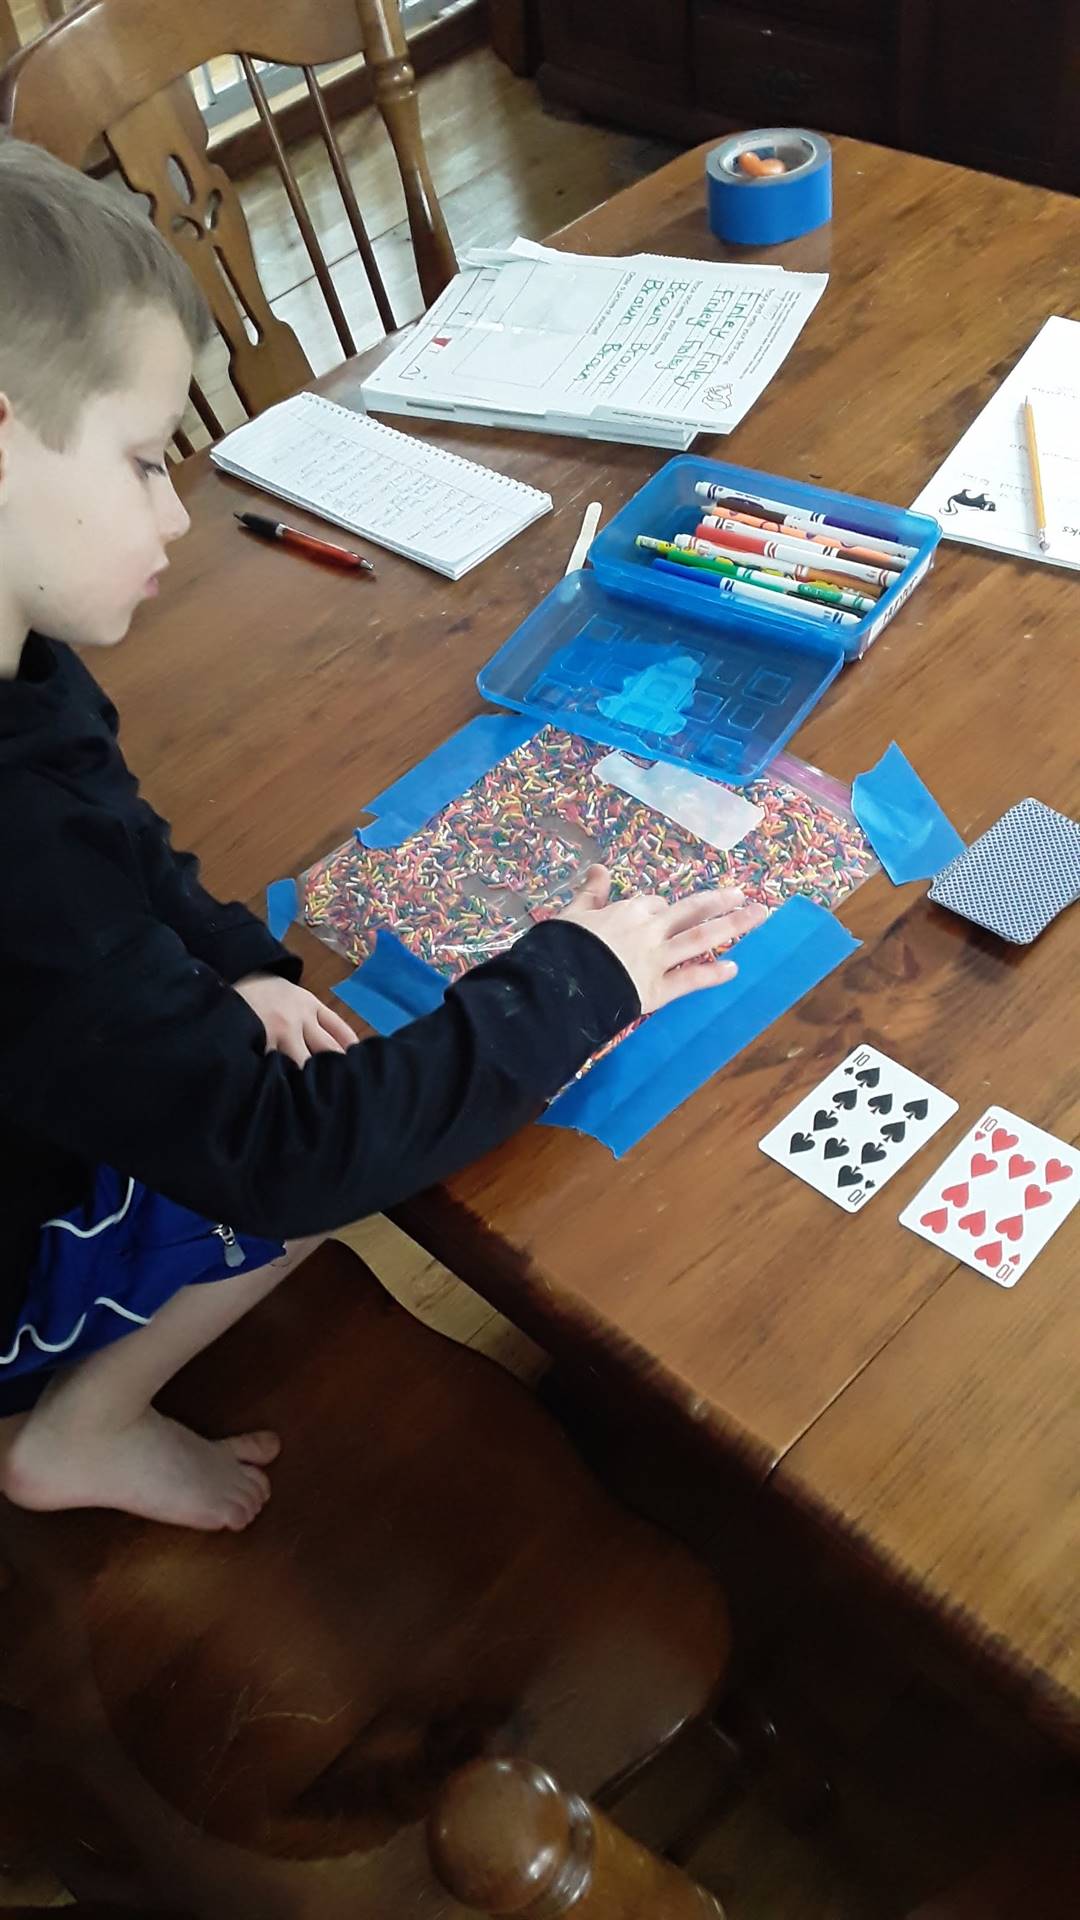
pixel 911 835
pixel 672 1055
pixel 392 987
pixel 426 789
pixel 669 1057
pixel 408 805
pixel 282 906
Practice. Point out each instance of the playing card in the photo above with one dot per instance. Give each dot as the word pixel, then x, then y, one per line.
pixel 999 1196
pixel 858 1127
pixel 1018 875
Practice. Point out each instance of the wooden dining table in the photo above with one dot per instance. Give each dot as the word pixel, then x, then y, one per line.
pixel 922 1419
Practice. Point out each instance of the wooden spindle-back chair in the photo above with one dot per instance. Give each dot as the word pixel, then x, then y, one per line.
pixel 9 33
pixel 118 70
pixel 273 1725
pixel 18 24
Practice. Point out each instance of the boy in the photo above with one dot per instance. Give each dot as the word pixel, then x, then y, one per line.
pixel 173 1105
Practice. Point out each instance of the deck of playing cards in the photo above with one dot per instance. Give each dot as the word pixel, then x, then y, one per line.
pixel 858 1127
pixel 1018 875
pixel 999 1196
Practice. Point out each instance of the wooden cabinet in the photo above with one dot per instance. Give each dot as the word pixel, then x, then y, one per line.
pixel 998 86
pixel 637 47
pixel 765 69
pixel 984 82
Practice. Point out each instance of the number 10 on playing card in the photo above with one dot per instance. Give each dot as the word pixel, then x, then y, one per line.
pixel 858 1127
pixel 999 1197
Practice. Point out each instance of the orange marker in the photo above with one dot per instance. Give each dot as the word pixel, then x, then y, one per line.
pixel 845 550
pixel 749 540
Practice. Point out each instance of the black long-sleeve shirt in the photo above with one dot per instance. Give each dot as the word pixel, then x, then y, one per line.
pixel 123 1043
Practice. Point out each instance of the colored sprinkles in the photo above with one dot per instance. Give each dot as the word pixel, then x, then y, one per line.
pixel 511 849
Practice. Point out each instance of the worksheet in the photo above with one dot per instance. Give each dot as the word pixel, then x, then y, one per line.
pixel 982 494
pixel 644 345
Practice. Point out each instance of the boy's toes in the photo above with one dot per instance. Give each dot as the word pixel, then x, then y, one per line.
pixel 247 1500
pixel 257 1449
pixel 256 1488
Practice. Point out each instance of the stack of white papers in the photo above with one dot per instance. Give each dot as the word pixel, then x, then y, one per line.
pixel 648 349
pixel 414 499
pixel 982 493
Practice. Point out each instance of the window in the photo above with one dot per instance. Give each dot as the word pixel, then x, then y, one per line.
pixel 222 91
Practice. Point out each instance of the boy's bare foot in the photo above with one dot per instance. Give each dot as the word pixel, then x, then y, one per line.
pixel 154 1468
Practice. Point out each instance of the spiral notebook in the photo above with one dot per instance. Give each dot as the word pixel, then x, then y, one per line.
pixel 387 487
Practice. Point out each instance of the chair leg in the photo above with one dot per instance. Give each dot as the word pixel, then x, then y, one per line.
pixel 394 88
pixel 504 1839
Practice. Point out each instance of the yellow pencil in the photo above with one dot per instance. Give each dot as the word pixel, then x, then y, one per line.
pixel 1036 476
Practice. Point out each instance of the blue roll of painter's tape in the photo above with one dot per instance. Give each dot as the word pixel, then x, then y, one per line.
pixel 763 211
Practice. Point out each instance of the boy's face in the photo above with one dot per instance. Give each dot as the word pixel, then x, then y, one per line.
pixel 84 532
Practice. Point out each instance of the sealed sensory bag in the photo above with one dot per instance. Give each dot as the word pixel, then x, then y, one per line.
pixel 511 849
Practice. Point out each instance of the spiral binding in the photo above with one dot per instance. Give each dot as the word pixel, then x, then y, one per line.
pixel 454 460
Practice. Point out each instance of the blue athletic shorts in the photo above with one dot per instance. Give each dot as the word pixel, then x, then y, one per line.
pixel 104 1269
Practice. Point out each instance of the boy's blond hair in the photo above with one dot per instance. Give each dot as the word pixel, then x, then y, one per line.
pixel 75 258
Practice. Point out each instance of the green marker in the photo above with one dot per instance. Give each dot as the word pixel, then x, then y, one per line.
pixel 754 577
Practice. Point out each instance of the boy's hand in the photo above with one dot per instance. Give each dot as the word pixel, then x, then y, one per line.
pixel 667 951
pixel 296 1023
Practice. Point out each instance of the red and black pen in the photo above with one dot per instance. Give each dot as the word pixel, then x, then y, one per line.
pixel 305 543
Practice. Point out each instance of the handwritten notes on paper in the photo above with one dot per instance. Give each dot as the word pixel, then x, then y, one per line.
pixel 400 492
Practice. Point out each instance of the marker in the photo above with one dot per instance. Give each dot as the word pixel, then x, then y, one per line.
pixel 828 616
pixel 790 517
pixel 305 543
pixel 868 556
pixel 828 596
pixel 820 575
pixel 871 556
pixel 823 573
pixel 728 533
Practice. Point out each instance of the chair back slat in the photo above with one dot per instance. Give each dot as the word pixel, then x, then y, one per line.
pixel 394 87
pixel 205 411
pixel 161 149
pixel 349 201
pixel 107 56
pixel 9 32
pixel 118 69
pixel 296 201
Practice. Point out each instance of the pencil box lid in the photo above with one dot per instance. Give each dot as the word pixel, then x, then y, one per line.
pixel 719 698
pixel 673 669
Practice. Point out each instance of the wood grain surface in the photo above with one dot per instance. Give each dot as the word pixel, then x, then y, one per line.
pixel 950 1468
pixel 265 701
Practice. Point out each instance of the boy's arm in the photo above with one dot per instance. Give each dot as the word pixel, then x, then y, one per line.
pixel 124 1049
pixel 225 934
pixel 157 1068
pixel 232 940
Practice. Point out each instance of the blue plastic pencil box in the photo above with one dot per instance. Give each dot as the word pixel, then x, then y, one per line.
pixel 639 658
